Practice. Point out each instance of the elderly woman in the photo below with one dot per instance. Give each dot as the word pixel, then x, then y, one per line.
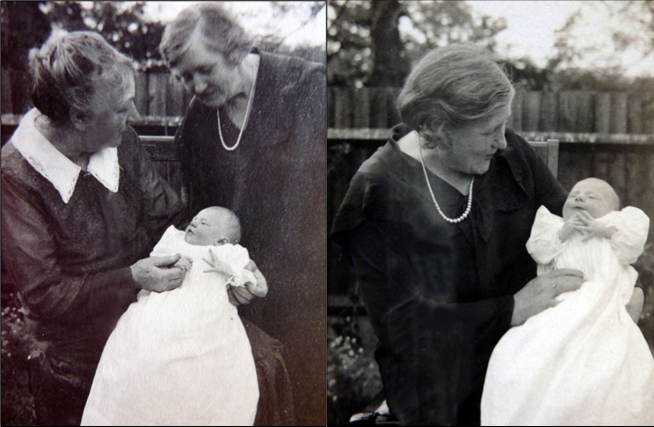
pixel 253 140
pixel 435 223
pixel 81 205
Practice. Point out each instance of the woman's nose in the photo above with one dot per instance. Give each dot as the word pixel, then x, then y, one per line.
pixel 500 142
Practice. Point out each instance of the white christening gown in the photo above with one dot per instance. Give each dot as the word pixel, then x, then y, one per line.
pixel 180 357
pixel 584 361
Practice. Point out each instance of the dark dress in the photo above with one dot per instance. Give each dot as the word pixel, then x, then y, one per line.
pixel 275 181
pixel 439 295
pixel 70 263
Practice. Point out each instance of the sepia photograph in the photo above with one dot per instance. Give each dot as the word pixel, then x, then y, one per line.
pixel 490 191
pixel 163 208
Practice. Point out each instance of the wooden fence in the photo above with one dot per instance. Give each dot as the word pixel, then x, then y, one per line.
pixel 606 135
pixel 157 94
pixel 566 111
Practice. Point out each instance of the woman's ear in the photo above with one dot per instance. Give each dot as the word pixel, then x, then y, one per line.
pixel 79 121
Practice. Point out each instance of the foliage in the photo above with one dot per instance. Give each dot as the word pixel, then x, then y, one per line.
pixel 355 27
pixel 353 379
pixel 17 402
pixel 614 49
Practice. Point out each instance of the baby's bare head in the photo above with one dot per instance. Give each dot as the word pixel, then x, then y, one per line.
pixel 592 195
pixel 214 226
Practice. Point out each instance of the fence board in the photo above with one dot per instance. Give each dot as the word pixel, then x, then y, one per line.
pixel 342 108
pixel 635 114
pixel 378 108
pixel 515 121
pixel 157 94
pixel 361 114
pixel 602 112
pixel 585 113
pixel 619 104
pixel 141 93
pixel 330 107
pixel 567 112
pixel 549 116
pixel 532 110
pixel 175 105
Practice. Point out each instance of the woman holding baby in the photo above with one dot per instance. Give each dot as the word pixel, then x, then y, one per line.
pixel 435 224
pixel 82 207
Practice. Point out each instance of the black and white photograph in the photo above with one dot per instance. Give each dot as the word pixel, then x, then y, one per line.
pixel 490 190
pixel 164 213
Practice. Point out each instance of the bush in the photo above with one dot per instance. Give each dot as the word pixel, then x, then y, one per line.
pixel 353 379
pixel 17 401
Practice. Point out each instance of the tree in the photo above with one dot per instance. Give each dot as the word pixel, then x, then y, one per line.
pixel 615 52
pixel 375 43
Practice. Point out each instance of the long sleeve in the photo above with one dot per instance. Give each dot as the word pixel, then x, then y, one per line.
pixel 48 288
pixel 544 243
pixel 628 242
pixel 423 340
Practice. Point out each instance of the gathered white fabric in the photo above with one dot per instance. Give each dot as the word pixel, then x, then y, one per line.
pixel 584 361
pixel 180 357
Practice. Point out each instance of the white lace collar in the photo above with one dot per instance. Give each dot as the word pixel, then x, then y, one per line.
pixel 59 169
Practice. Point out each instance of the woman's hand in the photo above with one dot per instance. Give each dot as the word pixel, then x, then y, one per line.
pixel 245 294
pixel 158 274
pixel 541 292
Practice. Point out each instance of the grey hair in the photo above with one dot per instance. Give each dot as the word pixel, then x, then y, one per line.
pixel 69 68
pixel 450 87
pixel 217 28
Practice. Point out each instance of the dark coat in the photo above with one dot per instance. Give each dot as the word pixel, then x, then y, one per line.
pixel 439 295
pixel 275 181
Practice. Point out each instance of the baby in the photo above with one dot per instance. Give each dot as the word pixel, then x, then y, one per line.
pixel 584 361
pixel 182 357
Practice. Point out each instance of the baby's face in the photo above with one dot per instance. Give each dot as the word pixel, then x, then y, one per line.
pixel 593 196
pixel 207 228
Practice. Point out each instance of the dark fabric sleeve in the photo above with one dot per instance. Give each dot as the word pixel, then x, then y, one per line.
pixel 432 351
pixel 161 205
pixel 48 291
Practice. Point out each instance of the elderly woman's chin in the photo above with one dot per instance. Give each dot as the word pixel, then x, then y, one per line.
pixel 480 167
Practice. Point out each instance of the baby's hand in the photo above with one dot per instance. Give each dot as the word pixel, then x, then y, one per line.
pixel 184 264
pixel 592 228
pixel 569 227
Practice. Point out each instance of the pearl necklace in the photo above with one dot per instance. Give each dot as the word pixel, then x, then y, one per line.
pixel 438 208
pixel 245 119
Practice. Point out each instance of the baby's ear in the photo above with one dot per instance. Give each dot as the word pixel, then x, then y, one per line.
pixel 221 241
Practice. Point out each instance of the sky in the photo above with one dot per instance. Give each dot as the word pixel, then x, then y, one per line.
pixel 259 17
pixel 532 25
